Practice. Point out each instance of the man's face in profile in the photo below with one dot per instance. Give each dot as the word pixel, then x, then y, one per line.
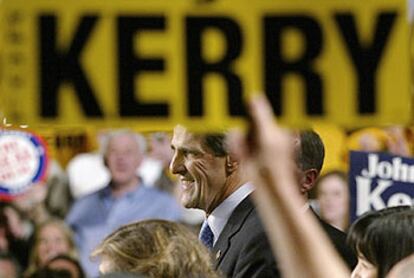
pixel 202 174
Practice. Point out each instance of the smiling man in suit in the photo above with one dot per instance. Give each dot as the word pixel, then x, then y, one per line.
pixel 211 180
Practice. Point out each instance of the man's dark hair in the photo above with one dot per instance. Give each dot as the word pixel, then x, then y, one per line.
pixel 121 275
pixel 311 150
pixel 50 273
pixel 70 260
pixel 216 142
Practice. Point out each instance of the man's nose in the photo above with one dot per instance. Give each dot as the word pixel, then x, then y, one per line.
pixel 177 165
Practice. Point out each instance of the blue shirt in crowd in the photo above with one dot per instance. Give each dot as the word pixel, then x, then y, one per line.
pixel 96 215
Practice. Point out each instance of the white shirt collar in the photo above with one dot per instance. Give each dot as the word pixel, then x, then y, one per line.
pixel 221 214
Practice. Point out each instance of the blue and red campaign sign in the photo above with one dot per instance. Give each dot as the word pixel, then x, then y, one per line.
pixel 379 180
pixel 23 161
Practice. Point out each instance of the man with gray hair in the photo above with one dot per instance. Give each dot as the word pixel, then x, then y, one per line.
pixel 123 200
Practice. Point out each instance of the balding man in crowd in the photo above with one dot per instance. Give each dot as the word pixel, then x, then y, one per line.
pixel 310 153
pixel 123 200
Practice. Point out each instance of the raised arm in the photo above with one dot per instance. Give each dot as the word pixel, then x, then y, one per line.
pixel 299 243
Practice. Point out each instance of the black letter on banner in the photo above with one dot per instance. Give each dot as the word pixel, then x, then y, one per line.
pixel 197 67
pixel 276 66
pixel 366 56
pixel 63 65
pixel 130 65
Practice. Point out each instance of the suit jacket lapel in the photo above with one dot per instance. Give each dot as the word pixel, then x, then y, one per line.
pixel 234 224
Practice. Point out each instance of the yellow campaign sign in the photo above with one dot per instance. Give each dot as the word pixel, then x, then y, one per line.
pixel 152 64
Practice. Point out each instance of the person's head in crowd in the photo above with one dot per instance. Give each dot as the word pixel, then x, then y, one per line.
pixel 52 238
pixel 309 156
pixel 123 152
pixel 155 170
pixel 66 262
pixel 159 147
pixel 154 248
pixel 332 194
pixel 9 267
pixel 118 274
pixel 207 172
pixel 45 272
pixel 381 239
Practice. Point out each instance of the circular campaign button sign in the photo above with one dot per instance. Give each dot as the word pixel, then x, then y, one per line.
pixel 23 161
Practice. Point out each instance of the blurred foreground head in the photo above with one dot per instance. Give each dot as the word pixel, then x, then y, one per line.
pixel 154 248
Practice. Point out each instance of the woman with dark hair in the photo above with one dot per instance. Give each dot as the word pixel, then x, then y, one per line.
pixel 358 229
pixel 61 266
pixel 385 239
pixel 66 262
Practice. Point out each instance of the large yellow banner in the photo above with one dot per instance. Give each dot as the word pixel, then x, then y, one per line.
pixel 155 63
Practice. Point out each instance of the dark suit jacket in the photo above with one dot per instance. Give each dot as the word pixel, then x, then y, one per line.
pixel 243 250
pixel 338 238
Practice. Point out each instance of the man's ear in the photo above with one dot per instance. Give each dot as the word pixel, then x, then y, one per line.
pixel 231 164
pixel 308 180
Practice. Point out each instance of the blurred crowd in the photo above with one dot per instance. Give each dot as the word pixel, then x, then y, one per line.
pixel 126 179
pixel 58 224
